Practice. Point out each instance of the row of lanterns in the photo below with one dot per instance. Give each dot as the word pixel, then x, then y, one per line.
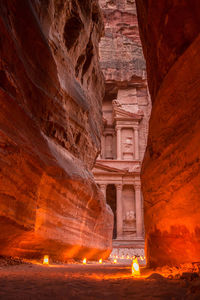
pixel 135 266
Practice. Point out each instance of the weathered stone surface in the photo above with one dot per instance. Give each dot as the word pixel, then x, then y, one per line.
pixel 123 64
pixel 51 88
pixel 171 169
pixel 121 54
pixel 126 111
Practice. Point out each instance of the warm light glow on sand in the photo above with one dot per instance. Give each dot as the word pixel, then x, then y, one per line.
pixel 135 268
pixel 84 261
pixel 46 260
pixel 100 261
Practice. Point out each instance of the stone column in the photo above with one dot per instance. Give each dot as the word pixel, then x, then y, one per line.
pixel 119 211
pixel 138 208
pixel 103 146
pixel 119 142
pixel 103 189
pixel 136 142
pixel 114 146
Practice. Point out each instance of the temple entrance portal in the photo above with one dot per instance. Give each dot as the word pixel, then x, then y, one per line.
pixel 111 200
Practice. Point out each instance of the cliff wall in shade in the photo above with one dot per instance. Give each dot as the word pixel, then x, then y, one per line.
pixel 51 89
pixel 171 169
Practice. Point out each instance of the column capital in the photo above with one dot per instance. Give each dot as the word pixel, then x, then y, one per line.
pixel 136 127
pixel 103 185
pixel 118 127
pixel 137 186
pixel 119 186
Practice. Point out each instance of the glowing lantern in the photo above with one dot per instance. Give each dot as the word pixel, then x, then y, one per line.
pixel 84 261
pixel 135 268
pixel 100 261
pixel 46 260
pixel 127 257
pixel 115 261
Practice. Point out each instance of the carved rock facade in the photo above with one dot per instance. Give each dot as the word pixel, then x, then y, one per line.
pixel 50 125
pixel 126 110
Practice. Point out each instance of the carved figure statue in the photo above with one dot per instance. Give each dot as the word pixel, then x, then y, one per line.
pixel 130 215
pixel 116 103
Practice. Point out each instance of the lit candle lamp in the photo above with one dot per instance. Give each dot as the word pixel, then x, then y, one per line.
pixel 135 268
pixel 46 260
pixel 84 261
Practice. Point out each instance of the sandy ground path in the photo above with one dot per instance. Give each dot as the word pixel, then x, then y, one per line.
pixel 75 281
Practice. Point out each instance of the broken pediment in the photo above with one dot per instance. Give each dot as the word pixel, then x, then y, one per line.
pixel 103 168
pixel 123 114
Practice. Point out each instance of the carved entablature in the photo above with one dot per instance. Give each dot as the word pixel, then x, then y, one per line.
pixel 120 114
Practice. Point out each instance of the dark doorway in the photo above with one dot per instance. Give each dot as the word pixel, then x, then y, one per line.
pixel 111 200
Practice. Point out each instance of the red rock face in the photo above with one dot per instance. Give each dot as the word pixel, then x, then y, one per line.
pixel 171 169
pixel 122 60
pixel 121 55
pixel 50 123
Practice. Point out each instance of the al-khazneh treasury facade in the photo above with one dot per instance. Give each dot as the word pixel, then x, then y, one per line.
pixel 126 111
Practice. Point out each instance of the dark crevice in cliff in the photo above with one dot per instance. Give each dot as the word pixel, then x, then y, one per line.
pixel 79 64
pixel 89 56
pixel 72 30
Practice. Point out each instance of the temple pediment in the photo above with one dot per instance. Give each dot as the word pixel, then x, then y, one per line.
pixel 106 169
pixel 120 113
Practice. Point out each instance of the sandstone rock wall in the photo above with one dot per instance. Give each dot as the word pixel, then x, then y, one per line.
pixel 122 61
pixel 171 169
pixel 51 89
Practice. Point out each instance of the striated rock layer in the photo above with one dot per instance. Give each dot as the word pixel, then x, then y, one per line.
pixel 51 88
pixel 171 169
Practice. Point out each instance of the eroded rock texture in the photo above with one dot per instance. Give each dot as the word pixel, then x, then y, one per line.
pixel 171 169
pixel 121 54
pixel 123 64
pixel 50 121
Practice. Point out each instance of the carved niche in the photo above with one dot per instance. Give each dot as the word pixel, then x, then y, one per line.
pixel 128 144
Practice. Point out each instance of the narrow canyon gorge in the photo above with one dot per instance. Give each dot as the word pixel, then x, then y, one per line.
pixel 99 149
pixel 53 82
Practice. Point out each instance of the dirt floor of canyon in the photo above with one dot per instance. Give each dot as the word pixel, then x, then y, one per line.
pixel 29 281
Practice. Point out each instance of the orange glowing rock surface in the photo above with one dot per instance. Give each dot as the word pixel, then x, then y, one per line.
pixel 170 171
pixel 50 129
pixel 135 268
